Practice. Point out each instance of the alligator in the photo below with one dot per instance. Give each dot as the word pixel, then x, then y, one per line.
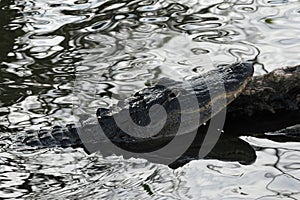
pixel 253 105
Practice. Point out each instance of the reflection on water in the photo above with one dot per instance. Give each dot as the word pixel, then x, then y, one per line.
pixel 108 49
pixel 72 174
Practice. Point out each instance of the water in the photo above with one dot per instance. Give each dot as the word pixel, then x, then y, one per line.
pixel 54 54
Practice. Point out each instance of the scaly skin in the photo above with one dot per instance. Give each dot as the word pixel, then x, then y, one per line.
pixel 233 77
pixel 268 103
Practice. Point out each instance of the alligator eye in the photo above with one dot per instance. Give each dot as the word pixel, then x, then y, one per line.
pixel 174 94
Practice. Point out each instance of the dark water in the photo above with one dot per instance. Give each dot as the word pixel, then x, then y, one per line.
pixel 59 55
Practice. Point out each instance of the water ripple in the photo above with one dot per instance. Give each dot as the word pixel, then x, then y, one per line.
pixel 109 49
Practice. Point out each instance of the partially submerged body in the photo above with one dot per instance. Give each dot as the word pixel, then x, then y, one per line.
pixel 268 103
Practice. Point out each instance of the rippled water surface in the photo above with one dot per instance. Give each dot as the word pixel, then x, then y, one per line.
pixel 91 53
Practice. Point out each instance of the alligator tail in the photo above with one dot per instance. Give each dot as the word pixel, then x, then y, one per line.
pixel 55 137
